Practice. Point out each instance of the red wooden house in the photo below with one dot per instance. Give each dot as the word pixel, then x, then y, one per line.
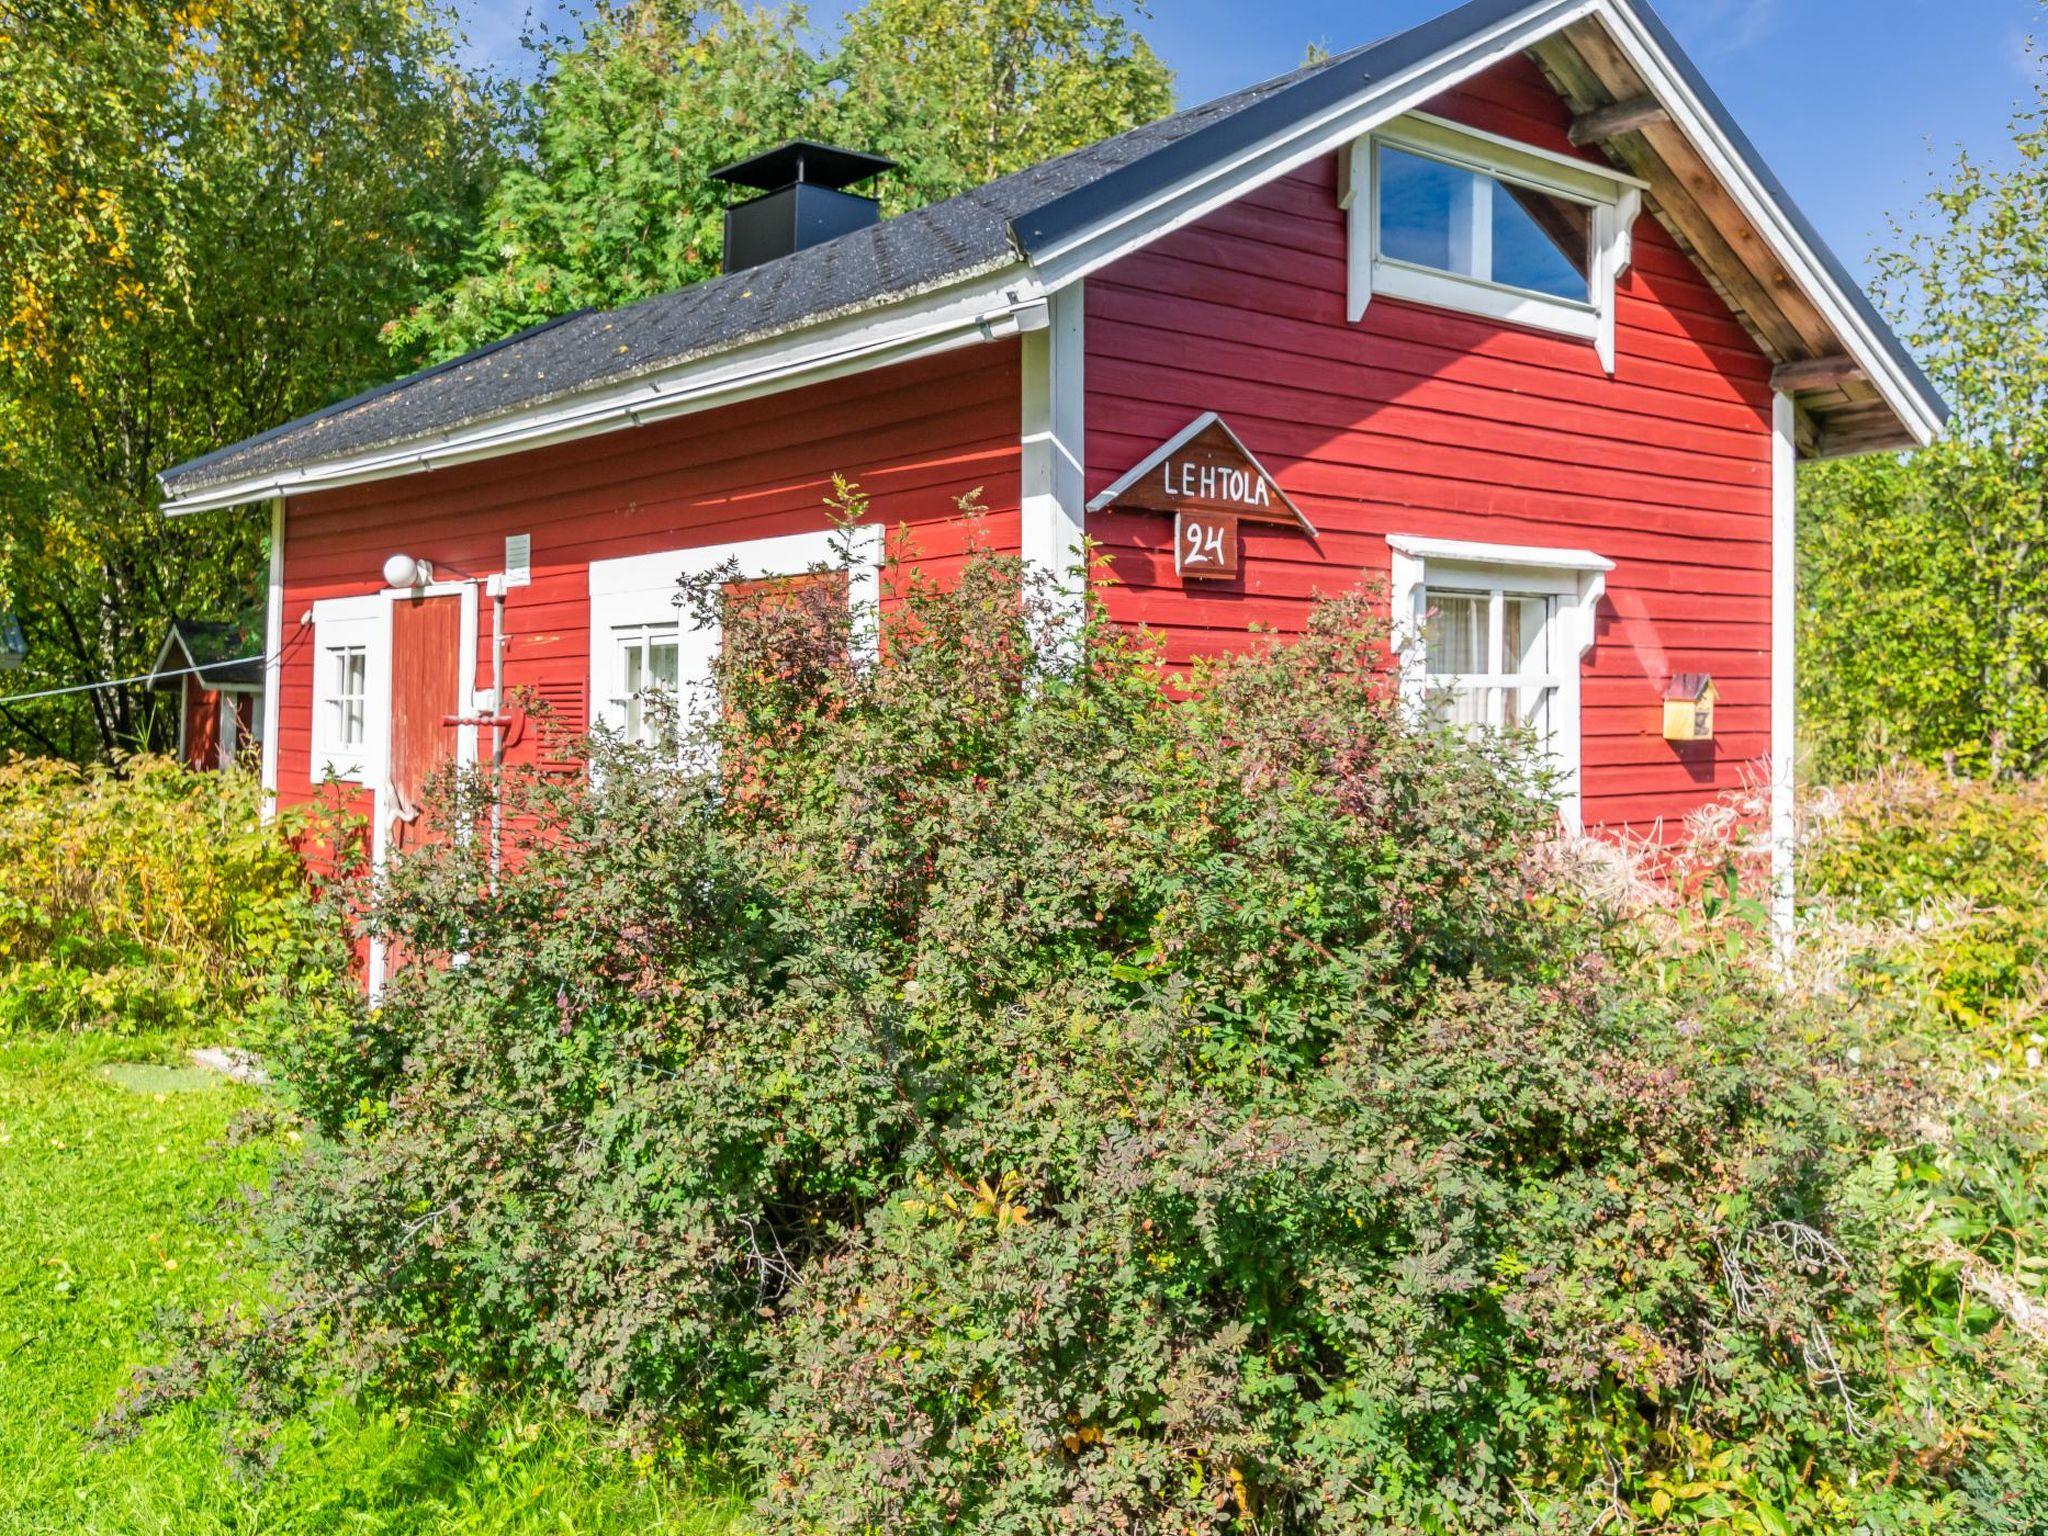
pixel 1502 311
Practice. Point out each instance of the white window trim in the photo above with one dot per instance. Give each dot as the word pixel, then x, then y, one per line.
pixel 273 658
pixel 350 621
pixel 1577 578
pixel 646 635
pixel 642 589
pixel 1616 200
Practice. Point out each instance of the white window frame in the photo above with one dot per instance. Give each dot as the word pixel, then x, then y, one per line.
pixel 1496 591
pixel 640 590
pixel 340 623
pixel 1576 580
pixel 624 637
pixel 231 738
pixel 1615 198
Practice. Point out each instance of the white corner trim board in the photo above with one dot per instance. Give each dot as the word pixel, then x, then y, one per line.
pixel 639 590
pixel 273 656
pixel 1575 578
pixel 1054 383
pixel 1784 696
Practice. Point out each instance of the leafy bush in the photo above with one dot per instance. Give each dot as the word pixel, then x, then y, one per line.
pixel 1930 891
pixel 1954 876
pixel 144 897
pixel 977 1092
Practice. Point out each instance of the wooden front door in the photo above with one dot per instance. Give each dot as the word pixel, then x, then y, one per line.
pixel 426 692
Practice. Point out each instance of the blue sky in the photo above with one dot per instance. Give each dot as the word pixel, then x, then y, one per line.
pixel 1855 103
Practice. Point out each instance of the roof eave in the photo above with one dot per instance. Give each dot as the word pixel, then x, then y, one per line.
pixel 1864 334
pixel 172 641
pixel 985 305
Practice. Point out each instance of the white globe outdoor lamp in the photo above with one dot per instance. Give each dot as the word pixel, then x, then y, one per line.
pixel 406 571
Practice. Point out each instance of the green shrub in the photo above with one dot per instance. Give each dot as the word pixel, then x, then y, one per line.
pixel 1954 876
pixel 144 897
pixel 976 1093
pixel 1930 893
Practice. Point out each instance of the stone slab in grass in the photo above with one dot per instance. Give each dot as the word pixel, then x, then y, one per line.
pixel 153 1077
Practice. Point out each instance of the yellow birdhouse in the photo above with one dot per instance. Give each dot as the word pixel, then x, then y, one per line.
pixel 1689 707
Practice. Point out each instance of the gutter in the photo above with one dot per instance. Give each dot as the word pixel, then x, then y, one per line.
pixel 986 309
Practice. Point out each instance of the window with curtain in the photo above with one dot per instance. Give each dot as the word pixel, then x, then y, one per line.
pixel 1489 657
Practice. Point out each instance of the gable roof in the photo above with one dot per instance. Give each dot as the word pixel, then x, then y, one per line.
pixel 980 264
pixel 229 654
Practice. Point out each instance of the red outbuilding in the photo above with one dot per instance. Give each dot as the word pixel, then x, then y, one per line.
pixel 217 673
pixel 1503 312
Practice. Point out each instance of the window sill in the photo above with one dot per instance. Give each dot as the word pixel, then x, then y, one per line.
pixel 1512 306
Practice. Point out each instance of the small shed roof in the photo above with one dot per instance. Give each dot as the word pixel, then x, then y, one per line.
pixel 226 655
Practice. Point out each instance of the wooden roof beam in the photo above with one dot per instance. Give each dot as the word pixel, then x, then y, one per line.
pixel 1751 268
pixel 1587 94
pixel 1816 373
pixel 1847 445
pixel 1604 123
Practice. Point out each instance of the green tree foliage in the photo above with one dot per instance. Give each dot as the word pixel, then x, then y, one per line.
pixel 1001 1099
pixel 611 199
pixel 1924 623
pixel 960 92
pixel 206 211
pixel 148 898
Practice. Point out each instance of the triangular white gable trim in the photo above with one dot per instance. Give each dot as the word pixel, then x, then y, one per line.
pixel 1084 250
pixel 163 654
pixel 1180 440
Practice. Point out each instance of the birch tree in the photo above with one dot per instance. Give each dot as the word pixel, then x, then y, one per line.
pixel 207 209
pixel 1925 578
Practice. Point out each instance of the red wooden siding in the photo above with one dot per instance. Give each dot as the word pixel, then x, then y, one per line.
pixel 915 437
pixel 1427 422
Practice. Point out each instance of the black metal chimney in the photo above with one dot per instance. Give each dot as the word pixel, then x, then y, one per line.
pixel 803 200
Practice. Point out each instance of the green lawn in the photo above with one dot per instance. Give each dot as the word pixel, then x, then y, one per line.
pixel 109 1162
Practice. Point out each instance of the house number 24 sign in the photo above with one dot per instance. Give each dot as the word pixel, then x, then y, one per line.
pixel 1210 483
pixel 1205 544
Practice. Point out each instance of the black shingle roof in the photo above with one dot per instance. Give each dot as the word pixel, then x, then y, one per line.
pixel 1005 223
pixel 894 259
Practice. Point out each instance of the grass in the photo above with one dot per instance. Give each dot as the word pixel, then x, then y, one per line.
pixel 110 1160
